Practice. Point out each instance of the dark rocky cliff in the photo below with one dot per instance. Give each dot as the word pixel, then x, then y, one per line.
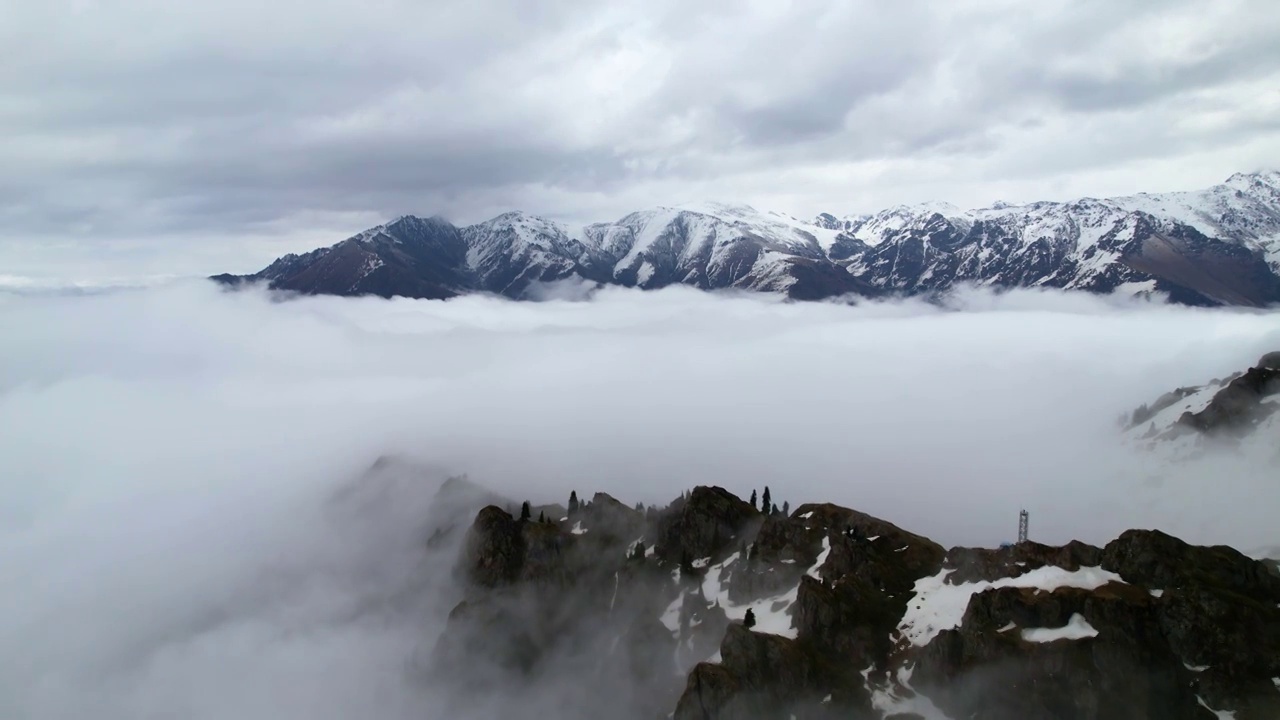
pixel 856 618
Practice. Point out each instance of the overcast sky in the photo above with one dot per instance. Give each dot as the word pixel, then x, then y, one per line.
pixel 179 137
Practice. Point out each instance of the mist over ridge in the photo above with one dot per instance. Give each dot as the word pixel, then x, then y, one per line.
pixel 169 456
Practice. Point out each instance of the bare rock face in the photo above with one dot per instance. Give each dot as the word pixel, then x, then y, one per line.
pixel 543 600
pixel 607 516
pixel 495 548
pixel 711 520
pixel 989 668
pixel 1161 561
pixel 765 676
pixel 864 585
pixel 1219 609
pixel 1189 628
pixel 975 564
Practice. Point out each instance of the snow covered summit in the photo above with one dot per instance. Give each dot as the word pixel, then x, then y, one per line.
pixel 1217 246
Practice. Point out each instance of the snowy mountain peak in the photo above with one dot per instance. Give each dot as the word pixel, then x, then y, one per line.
pixel 1219 245
pixel 944 209
pixel 723 210
pixel 1247 181
pixel 525 223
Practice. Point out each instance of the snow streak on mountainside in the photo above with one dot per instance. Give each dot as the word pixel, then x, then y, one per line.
pixel 1219 246
pixel 1242 409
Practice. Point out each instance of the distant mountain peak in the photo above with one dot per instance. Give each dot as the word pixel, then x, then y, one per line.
pixel 1217 246
pixel 718 208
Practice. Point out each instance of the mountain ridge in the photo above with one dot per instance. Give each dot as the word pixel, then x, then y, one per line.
pixel 1216 246
pixel 715 608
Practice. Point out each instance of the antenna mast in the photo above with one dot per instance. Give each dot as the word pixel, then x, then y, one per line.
pixel 1023 520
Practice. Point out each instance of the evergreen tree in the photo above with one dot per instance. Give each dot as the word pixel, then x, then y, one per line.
pixel 573 503
pixel 786 509
pixel 639 507
pixel 525 512
pixel 764 501
pixel 686 563
pixel 542 517
pixel 774 511
pixel 753 500
pixel 749 620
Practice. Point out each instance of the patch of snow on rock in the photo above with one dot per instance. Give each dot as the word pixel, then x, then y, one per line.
pixel 938 606
pixel 822 558
pixel 1077 628
pixel 1222 714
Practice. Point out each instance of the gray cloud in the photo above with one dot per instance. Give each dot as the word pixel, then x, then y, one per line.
pixel 232 119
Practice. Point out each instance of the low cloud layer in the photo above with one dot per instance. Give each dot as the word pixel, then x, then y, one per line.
pixel 170 542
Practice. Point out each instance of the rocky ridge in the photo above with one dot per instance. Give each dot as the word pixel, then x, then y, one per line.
pixel 1218 246
pixel 711 609
pixel 1243 407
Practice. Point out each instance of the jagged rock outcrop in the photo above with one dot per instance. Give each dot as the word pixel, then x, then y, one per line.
pixel 607 516
pixel 975 564
pixel 762 676
pixel 549 596
pixel 495 549
pixel 1160 561
pixel 709 521
pixel 991 668
pixel 1217 607
pixel 857 618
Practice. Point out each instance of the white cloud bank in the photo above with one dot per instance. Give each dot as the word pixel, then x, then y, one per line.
pixel 166 456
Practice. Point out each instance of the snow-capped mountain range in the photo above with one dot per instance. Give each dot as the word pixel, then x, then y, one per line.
pixel 1218 246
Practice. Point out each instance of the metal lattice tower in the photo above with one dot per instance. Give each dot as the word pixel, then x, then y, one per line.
pixel 1023 520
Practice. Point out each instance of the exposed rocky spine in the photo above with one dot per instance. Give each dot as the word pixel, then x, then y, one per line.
pixel 858 618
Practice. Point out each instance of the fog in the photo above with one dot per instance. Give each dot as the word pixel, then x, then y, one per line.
pixel 179 536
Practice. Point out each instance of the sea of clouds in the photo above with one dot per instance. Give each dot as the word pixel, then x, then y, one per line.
pixel 178 537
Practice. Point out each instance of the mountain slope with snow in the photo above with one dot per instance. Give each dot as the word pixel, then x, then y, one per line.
pixel 1241 410
pixel 712 608
pixel 1218 246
